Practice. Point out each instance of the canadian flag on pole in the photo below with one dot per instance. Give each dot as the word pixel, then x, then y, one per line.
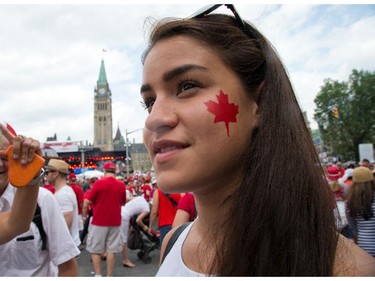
pixel 104 50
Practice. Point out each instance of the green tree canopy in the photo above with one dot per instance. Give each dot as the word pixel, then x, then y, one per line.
pixel 355 102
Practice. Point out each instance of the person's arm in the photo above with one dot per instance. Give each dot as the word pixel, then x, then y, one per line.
pixel 139 220
pixel 68 216
pixel 68 268
pixel 154 210
pixel 18 220
pixel 80 197
pixel 85 208
pixel 181 217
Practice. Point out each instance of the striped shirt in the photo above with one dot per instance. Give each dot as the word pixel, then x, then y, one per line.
pixel 364 229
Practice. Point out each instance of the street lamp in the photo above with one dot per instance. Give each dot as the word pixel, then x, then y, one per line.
pixel 82 150
pixel 127 149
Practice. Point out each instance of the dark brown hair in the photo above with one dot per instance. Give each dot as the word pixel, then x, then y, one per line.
pixel 360 198
pixel 280 220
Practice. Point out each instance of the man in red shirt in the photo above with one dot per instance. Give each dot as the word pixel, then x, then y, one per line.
pixel 106 196
pixel 72 182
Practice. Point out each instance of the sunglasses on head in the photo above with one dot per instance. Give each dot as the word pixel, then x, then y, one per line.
pixel 241 24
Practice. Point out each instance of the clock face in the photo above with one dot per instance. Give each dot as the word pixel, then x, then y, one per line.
pixel 102 91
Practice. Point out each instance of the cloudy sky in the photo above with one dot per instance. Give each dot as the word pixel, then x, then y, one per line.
pixel 50 57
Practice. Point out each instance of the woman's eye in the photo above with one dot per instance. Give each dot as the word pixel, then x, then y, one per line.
pixel 148 103
pixel 187 85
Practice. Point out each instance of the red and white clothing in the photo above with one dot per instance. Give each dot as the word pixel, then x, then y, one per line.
pixel 146 191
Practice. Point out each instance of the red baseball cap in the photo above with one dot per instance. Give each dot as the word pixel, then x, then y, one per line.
pixel 72 176
pixel 333 173
pixel 109 166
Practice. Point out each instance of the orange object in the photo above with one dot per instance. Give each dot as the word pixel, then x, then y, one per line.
pixel 20 175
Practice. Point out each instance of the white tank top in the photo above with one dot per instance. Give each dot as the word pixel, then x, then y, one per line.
pixel 173 264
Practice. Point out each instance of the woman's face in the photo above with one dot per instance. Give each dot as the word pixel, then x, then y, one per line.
pixel 200 117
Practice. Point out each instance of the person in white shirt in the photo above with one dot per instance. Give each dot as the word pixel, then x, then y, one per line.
pixel 134 206
pixel 24 255
pixel 56 173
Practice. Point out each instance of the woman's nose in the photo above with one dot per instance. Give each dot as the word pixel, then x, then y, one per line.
pixel 162 116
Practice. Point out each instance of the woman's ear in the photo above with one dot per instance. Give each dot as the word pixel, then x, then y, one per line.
pixel 257 92
pixel 256 96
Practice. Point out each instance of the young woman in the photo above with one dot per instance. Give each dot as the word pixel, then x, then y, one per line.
pixel 361 208
pixel 224 123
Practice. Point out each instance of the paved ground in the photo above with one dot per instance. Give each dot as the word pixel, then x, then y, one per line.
pixel 85 267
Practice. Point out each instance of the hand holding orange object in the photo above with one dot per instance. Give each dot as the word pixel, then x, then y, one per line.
pixel 24 158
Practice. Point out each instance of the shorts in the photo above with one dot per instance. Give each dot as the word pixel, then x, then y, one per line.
pixel 104 239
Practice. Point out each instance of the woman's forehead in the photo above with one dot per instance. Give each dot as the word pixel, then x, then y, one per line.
pixel 177 51
pixel 181 46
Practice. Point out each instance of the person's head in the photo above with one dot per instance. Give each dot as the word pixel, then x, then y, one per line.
pixel 72 178
pixel 4 160
pixel 361 193
pixel 351 166
pixel 365 163
pixel 339 164
pixel 218 93
pixel 224 121
pixel 348 175
pixel 57 171
pixel 92 180
pixel 333 173
pixel 109 168
pixel 154 183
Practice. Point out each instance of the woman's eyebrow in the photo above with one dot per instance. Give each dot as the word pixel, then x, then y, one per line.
pixel 175 72
pixel 180 70
pixel 145 88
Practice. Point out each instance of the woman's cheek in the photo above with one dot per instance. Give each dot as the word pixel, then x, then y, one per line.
pixel 223 111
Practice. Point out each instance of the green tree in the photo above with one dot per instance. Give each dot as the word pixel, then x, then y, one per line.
pixel 345 114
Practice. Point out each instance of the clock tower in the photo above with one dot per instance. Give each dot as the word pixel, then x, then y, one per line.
pixel 103 113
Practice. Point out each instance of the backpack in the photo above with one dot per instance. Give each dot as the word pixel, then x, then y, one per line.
pixel 174 203
pixel 135 240
pixel 37 219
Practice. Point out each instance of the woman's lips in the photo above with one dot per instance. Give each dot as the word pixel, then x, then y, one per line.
pixel 165 150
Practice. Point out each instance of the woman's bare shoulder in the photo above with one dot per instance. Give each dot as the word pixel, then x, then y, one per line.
pixel 351 260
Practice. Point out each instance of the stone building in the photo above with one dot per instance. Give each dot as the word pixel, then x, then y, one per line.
pixel 103 113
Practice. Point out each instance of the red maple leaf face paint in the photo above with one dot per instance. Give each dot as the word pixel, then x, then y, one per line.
pixel 223 110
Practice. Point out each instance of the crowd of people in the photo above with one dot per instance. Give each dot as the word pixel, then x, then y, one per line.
pixel 353 188
pixel 245 198
pixel 46 224
pixel 106 207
